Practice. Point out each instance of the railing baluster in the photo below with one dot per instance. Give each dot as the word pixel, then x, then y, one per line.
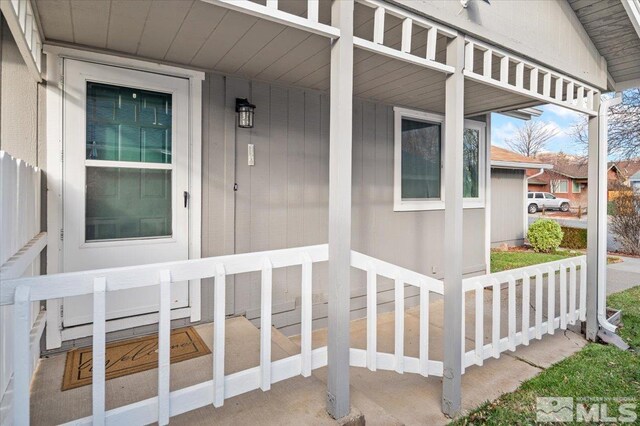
pixel 399 323
pixel 407 26
pixel 533 80
pixel 463 332
pixel 98 360
pixel 520 75
pixel 487 63
pixel 551 300
pixel 538 304
pixel 378 25
pixel 272 4
pixel 563 296
pixel 432 38
pixel 313 10
pixel 590 99
pixel 218 336
pixel 372 317
pixel 468 56
pixel 546 85
pixel 512 313
pixel 580 98
pixel 495 333
pixel 265 326
pixel 164 348
pixel 570 87
pixel 504 69
pixel 479 323
pixel 583 290
pixel 424 329
pixel 307 315
pixel 559 89
pixel 572 294
pixel 21 355
pixel 526 296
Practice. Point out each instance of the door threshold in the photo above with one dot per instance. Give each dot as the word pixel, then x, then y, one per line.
pixel 86 330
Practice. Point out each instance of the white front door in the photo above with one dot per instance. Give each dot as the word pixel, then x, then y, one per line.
pixel 126 177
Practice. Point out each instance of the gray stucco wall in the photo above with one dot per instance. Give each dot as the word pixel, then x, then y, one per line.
pixel 507 207
pixel 282 201
pixel 22 105
pixel 547 31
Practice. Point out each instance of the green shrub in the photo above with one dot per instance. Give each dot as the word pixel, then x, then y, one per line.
pixel 545 235
pixel 574 238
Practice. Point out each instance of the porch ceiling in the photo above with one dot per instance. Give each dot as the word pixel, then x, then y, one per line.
pixel 208 37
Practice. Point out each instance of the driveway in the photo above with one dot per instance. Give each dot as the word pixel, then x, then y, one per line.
pixel 612 245
pixel 624 275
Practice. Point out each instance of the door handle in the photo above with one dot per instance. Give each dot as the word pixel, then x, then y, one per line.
pixel 186 199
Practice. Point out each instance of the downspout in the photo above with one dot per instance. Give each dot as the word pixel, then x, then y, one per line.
pixel 536 175
pixel 603 127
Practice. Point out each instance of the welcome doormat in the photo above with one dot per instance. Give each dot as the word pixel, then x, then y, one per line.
pixel 131 356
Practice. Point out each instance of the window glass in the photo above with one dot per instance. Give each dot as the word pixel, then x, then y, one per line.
pixel 530 195
pixel 577 188
pixel 471 165
pixel 538 195
pixel 126 124
pixel 127 203
pixel 559 186
pixel 421 159
pixel 549 196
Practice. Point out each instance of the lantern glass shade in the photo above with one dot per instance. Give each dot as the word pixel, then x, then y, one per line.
pixel 245 111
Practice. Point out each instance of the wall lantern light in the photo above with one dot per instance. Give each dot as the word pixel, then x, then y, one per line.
pixel 245 109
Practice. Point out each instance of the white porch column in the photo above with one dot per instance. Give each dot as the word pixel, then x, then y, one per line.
pixel 453 158
pixel 597 219
pixel 340 135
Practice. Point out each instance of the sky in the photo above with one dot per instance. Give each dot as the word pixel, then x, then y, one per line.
pixel 503 127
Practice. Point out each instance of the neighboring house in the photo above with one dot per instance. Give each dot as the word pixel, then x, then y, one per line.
pixel 214 158
pixel 509 218
pixel 627 169
pixel 568 178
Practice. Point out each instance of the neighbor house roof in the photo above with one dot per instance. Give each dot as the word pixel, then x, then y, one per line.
pixel 503 158
pixel 568 165
pixel 628 167
pixel 635 177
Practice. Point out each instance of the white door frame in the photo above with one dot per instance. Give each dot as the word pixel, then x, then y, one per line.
pixel 54 132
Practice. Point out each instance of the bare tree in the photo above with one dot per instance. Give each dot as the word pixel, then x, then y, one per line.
pixel 624 127
pixel 531 138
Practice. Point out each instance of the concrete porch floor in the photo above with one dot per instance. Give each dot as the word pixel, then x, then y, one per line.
pixel 384 397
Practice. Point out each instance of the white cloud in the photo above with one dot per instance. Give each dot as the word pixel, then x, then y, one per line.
pixel 561 112
pixel 503 132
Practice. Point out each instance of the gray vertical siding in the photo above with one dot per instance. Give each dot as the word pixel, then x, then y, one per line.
pixel 282 201
pixel 507 207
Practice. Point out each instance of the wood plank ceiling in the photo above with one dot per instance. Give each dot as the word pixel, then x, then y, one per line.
pixel 203 36
pixel 613 34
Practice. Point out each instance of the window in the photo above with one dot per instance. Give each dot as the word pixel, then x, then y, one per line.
pixel 559 186
pixel 549 196
pixel 530 195
pixel 539 195
pixel 576 187
pixel 418 153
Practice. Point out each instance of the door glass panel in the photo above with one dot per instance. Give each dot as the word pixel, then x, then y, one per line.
pixel 471 166
pixel 127 203
pixel 126 124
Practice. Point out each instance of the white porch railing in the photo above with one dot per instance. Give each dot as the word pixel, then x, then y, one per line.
pixel 371 358
pixel 21 243
pixel 572 305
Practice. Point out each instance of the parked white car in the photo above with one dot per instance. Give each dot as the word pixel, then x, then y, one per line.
pixel 537 201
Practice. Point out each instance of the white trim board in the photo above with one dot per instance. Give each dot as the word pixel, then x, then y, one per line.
pixel 54 116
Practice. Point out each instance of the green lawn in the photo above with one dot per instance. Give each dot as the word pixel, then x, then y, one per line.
pixel 596 371
pixel 503 260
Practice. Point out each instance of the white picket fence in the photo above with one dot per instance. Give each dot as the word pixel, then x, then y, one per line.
pixel 20 245
pixel 572 305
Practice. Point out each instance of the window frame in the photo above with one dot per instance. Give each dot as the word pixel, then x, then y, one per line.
pixel 400 204
pixel 557 186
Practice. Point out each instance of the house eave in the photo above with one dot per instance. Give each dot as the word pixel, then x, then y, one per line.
pixel 519 165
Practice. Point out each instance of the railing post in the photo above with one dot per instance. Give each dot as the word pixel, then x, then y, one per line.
pixel 372 318
pixel 424 329
pixel 265 325
pixel 21 356
pixel 218 336
pixel 453 292
pixel 399 326
pixel 164 348
pixel 340 154
pixel 307 315
pixel 98 362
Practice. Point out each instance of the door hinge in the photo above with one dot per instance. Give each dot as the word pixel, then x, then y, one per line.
pixel 235 186
pixel 186 199
pixel 61 234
